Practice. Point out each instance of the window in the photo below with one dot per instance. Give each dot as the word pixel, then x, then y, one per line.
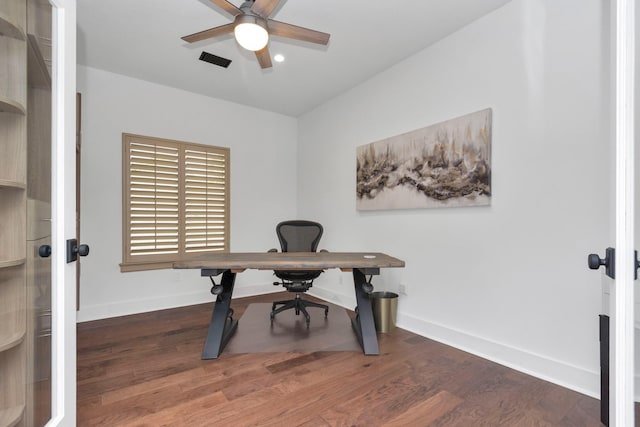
pixel 175 201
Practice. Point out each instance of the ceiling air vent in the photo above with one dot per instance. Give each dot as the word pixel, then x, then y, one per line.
pixel 214 59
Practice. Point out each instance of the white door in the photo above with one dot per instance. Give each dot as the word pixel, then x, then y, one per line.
pixel 622 292
pixel 637 210
pixel 637 215
pixel 618 287
pixel 63 213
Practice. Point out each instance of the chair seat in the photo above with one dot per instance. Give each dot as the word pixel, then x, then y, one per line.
pixel 297 287
pixel 298 275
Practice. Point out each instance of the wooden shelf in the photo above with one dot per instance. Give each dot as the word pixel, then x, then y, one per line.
pixel 12 305
pixel 9 29
pixel 12 262
pixel 10 106
pixel 5 183
pixel 10 417
pixel 11 341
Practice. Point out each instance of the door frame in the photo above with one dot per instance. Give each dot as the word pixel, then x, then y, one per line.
pixel 621 406
pixel 63 212
pixel 63 215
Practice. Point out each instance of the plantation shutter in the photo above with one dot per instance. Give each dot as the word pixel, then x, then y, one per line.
pixel 175 201
pixel 206 200
pixel 154 199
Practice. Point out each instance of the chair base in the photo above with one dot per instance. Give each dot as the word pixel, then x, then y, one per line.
pixel 299 305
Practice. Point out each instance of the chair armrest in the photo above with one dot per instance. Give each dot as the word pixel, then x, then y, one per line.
pixel 272 250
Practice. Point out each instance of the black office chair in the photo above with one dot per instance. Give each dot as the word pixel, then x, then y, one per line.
pixel 297 236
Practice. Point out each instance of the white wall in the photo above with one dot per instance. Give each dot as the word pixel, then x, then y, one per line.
pixel 262 191
pixel 510 281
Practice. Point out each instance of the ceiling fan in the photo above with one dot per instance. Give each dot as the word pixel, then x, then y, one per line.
pixel 252 28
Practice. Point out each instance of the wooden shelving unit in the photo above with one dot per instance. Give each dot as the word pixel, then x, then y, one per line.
pixel 11 416
pixel 10 106
pixel 11 184
pixel 12 341
pixel 25 177
pixel 37 342
pixel 12 262
pixel 13 196
pixel 9 26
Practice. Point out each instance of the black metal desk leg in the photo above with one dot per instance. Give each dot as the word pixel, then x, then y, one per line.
pixel 363 324
pixel 222 325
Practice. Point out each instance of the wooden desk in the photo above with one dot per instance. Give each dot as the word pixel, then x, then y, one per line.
pixel 222 325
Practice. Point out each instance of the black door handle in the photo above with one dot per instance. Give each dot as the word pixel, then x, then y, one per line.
pixel 609 261
pixel 595 261
pixel 44 251
pixel 73 250
pixel 83 250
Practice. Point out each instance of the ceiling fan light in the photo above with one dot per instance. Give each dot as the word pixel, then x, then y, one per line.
pixel 251 33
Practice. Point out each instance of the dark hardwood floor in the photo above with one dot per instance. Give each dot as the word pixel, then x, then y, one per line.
pixel 145 370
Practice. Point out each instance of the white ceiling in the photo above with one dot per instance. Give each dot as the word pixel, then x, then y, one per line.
pixel 141 39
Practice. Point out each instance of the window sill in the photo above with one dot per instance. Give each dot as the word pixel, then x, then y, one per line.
pixel 145 266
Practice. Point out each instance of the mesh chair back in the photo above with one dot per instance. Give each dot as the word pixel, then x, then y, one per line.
pixel 299 235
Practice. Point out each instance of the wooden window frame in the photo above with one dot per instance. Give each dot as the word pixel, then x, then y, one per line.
pixel 195 178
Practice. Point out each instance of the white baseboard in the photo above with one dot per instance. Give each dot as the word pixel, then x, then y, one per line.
pixel 125 308
pixel 555 371
pixel 347 301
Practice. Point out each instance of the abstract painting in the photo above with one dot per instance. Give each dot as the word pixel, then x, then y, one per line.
pixel 447 164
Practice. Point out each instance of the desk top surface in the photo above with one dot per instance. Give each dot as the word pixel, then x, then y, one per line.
pixel 291 261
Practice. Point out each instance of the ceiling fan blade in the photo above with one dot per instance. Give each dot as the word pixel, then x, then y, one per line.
pixel 207 34
pixel 298 33
pixel 264 8
pixel 264 57
pixel 228 7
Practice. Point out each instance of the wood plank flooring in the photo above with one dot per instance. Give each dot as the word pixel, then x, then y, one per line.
pixel 145 370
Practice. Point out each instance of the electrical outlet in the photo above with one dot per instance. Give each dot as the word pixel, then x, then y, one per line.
pixel 403 289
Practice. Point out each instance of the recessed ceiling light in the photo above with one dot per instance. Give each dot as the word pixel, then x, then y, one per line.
pixel 278 58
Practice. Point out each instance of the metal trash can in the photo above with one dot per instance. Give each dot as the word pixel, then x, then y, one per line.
pixel 385 310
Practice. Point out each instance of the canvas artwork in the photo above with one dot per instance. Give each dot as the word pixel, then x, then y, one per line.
pixel 447 164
